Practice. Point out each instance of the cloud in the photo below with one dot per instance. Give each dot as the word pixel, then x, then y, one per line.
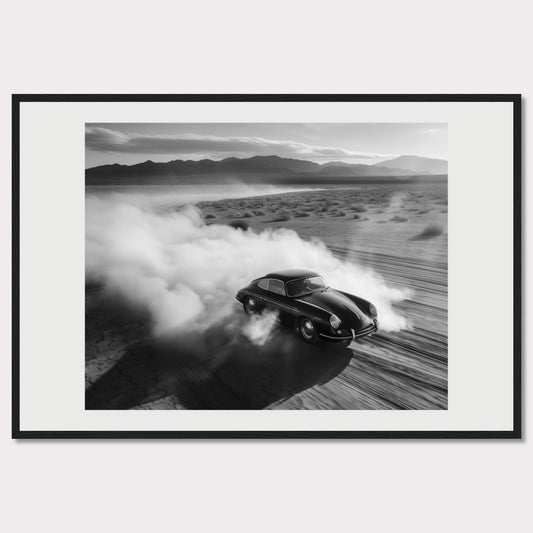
pixel 107 140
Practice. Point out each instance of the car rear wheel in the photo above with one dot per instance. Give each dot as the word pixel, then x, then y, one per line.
pixel 250 305
pixel 308 330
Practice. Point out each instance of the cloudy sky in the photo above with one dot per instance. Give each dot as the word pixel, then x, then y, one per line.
pixel 347 142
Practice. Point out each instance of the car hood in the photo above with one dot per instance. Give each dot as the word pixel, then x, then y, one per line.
pixel 338 304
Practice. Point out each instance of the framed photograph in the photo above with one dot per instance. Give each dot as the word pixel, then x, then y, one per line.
pixel 266 266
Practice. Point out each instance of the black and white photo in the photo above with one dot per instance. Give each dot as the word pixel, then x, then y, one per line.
pixel 266 266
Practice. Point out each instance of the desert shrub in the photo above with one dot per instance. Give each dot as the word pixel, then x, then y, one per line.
pixel 283 216
pixel 247 214
pixel 299 214
pixel 259 213
pixel 397 218
pixel 239 224
pixel 422 211
pixel 210 215
pixel 429 232
pixel 356 216
pixel 359 208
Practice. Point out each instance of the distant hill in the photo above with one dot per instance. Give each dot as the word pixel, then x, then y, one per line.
pixel 416 164
pixel 257 169
pixel 359 170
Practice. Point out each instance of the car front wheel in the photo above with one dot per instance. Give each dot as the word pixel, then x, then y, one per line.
pixel 308 330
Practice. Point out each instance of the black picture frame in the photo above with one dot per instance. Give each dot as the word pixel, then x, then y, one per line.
pixel 515 433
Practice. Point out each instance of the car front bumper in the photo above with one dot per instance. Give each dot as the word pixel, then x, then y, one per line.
pixel 350 334
pixel 368 330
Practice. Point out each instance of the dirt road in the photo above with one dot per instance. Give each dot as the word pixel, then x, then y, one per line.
pixel 126 368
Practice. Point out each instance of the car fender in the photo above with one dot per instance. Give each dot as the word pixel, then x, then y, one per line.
pixel 313 312
pixel 363 304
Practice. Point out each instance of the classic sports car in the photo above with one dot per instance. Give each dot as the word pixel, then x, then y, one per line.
pixel 302 299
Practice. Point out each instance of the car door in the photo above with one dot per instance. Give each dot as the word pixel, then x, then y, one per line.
pixel 276 298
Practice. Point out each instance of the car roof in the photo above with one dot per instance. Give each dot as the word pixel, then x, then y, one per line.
pixel 293 273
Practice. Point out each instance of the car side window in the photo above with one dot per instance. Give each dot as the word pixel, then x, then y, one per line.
pixel 263 284
pixel 276 286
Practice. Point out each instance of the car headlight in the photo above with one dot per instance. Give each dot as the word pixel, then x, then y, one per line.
pixel 335 321
pixel 373 311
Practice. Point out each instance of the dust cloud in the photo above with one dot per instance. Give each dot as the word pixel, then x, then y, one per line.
pixel 157 254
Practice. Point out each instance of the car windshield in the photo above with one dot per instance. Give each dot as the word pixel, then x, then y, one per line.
pixel 299 287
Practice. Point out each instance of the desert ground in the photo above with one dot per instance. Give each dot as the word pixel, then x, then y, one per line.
pixel 398 231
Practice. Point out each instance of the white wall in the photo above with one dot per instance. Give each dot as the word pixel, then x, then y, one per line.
pixel 276 46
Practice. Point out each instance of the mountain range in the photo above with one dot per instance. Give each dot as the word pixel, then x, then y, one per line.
pixel 263 169
pixel 422 165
